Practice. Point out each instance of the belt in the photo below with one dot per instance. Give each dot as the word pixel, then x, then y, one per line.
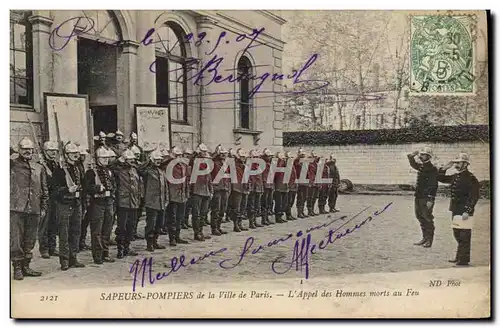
pixel 106 194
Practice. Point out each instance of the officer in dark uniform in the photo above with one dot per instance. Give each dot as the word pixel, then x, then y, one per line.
pixel 68 182
pixel 324 188
pixel 464 197
pixel 47 231
pixel 313 189
pixel 333 191
pixel 100 187
pixel 222 189
pixel 292 193
pixel 239 193
pixel 201 193
pixel 425 193
pixel 268 195
pixel 28 202
pixel 156 199
pixel 128 198
pixel 256 190
pixel 280 190
pixel 178 191
pixel 302 187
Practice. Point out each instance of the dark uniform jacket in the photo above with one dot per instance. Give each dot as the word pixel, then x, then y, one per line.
pixel 107 181
pixel 334 174
pixel 280 184
pixel 61 191
pixel 311 173
pixel 51 165
pixel 203 184
pixel 326 174
pixel 464 191
pixel 265 175
pixel 179 192
pixel 292 184
pixel 128 185
pixel 155 187
pixel 239 185
pixel 427 182
pixel 298 168
pixel 224 183
pixel 256 181
pixel 28 187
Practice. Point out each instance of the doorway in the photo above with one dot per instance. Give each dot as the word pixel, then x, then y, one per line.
pixel 97 65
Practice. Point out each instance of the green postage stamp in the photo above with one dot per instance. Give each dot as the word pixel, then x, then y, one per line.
pixel 442 54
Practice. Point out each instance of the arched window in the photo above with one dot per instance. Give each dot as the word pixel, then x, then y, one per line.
pixel 171 84
pixel 244 100
pixel 21 58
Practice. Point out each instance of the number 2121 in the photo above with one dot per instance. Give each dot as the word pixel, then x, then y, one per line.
pixel 48 298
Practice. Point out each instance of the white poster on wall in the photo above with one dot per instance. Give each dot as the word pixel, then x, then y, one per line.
pixel 153 127
pixel 72 114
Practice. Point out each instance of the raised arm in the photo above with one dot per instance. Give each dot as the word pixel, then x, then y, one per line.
pixel 442 177
pixel 413 162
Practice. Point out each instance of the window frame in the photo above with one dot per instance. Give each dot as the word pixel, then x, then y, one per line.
pixel 246 64
pixel 181 60
pixel 28 51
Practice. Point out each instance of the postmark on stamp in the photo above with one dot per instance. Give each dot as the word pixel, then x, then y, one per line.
pixel 442 51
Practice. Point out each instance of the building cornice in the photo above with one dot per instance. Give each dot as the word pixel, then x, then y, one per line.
pixel 272 16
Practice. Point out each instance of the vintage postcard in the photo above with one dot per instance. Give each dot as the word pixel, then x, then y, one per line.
pixel 249 164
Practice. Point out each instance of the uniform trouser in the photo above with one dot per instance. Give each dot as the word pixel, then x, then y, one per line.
pixel 139 214
pixel 85 226
pixel 280 202
pixel 154 222
pixel 101 223
pixel 127 218
pixel 188 209
pixel 312 196
pixel 267 200
pixel 237 201
pixel 200 206
pixel 47 230
pixel 174 218
pixel 253 204
pixel 463 237
pixel 290 201
pixel 23 230
pixel 333 194
pixel 323 196
pixel 425 217
pixel 301 197
pixel 218 205
pixel 70 224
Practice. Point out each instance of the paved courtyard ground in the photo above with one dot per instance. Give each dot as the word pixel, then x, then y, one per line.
pixel 383 245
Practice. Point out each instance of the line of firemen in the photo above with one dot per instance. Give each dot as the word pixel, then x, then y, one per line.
pixel 59 197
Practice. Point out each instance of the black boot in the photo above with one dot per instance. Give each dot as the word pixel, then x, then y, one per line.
pixel 120 254
pixel 45 255
pixel 251 223
pixel 421 242
pixel 97 257
pixel 236 227
pixel 428 243
pixel 300 213
pixel 73 263
pixel 158 246
pixel 279 219
pixel 213 225
pixel 129 252
pixel 149 244
pixel 219 226
pixel 322 210
pixel 64 265
pixel 18 271
pixel 28 272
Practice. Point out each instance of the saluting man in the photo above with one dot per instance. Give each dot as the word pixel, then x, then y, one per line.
pixel 268 195
pixel 425 193
pixel 101 193
pixel 333 192
pixel 128 185
pixel 256 190
pixel 68 185
pixel 313 189
pixel 201 194
pixel 280 190
pixel 178 192
pixel 156 199
pixel 302 187
pixel 221 192
pixel 239 192
pixel 28 203
pixel 47 231
pixel 292 193
pixel 464 197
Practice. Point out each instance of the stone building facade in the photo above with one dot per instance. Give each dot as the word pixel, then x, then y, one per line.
pixel 120 58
